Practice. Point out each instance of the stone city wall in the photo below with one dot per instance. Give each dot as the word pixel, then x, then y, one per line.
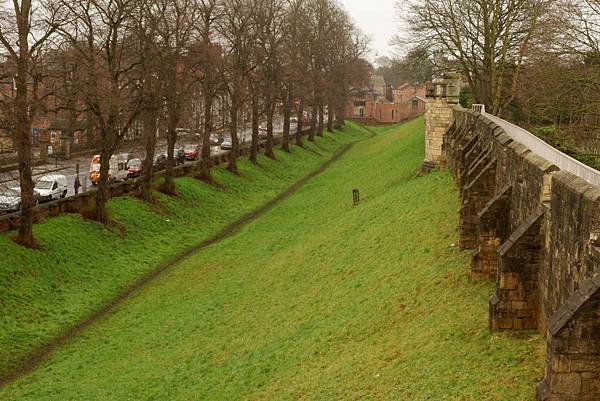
pixel 535 230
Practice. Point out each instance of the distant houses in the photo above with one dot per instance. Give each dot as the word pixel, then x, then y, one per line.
pixel 381 103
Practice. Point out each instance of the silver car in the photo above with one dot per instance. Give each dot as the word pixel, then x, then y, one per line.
pixel 226 144
pixel 10 200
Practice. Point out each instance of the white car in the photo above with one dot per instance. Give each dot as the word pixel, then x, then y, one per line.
pixel 10 200
pixel 226 144
pixel 50 187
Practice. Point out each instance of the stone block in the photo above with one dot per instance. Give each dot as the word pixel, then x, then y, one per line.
pixel 566 383
pixel 561 363
pixel 509 281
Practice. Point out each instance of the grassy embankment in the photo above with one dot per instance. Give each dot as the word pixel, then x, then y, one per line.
pixel 316 300
pixel 83 265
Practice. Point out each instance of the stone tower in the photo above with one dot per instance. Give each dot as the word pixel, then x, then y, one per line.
pixel 442 96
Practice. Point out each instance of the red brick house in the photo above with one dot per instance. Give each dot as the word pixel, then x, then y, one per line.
pixel 408 91
pixel 370 103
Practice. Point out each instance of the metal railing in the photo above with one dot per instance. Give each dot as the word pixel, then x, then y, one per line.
pixel 541 148
pixel 480 108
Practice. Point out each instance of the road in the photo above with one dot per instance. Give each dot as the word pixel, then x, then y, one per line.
pixel 68 168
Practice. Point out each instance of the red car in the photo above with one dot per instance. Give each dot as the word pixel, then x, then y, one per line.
pixel 191 152
pixel 135 168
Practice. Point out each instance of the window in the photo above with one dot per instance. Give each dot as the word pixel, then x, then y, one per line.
pixel 415 105
pixel 55 186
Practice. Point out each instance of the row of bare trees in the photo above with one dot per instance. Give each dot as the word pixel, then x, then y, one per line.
pixel 117 64
pixel 536 62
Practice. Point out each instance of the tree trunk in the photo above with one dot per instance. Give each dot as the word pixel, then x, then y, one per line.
pixel 168 186
pixel 300 126
pixel 205 161
pixel 173 113
pixel 255 123
pixel 313 123
pixel 233 126
pixel 270 103
pixel 321 117
pixel 330 117
pixel 150 127
pixel 23 136
pixel 287 111
pixel 340 116
pixel 102 196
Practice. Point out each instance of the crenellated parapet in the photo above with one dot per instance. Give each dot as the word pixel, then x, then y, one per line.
pixel 531 215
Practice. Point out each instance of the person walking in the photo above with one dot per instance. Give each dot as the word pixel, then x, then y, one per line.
pixel 77 184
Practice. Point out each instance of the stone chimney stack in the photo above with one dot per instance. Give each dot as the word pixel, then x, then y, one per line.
pixel 442 95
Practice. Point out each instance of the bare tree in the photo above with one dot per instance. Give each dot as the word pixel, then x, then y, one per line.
pixel 488 40
pixel 268 16
pixel 208 56
pixel 175 22
pixel 24 29
pixel 235 28
pixel 151 92
pixel 296 56
pixel 102 32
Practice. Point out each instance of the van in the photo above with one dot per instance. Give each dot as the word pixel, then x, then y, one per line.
pixel 50 187
pixel 117 170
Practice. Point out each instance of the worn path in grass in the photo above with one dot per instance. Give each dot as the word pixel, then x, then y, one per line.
pixel 84 269
pixel 315 300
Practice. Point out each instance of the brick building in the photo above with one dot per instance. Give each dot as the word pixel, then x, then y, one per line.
pixel 409 91
pixel 377 102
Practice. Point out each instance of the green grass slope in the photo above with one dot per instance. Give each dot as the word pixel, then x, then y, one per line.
pixel 316 300
pixel 83 265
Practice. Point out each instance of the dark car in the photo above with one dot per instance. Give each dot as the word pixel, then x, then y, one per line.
pixel 160 162
pixel 135 168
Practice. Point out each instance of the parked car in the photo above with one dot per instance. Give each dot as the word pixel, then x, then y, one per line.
pixel 10 200
pixel 50 187
pixel 293 120
pixel 160 162
pixel 179 157
pixel 226 144
pixel 135 167
pixel 191 152
pixel 215 139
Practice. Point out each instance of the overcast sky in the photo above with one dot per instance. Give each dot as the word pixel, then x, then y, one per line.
pixel 377 18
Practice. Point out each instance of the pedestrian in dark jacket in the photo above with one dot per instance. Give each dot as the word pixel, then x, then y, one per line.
pixel 77 184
